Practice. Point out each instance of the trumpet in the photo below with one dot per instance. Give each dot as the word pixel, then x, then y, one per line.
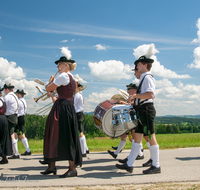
pixel 36 99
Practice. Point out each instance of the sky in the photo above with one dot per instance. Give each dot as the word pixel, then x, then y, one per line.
pixel 105 38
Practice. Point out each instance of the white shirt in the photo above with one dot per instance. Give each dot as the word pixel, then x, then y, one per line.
pixel 22 107
pixel 11 101
pixel 62 79
pixel 148 85
pixel 78 102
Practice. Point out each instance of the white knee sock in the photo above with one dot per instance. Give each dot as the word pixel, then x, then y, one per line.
pixel 83 149
pixel 85 144
pixel 120 147
pixel 14 147
pixel 148 144
pixel 25 143
pixel 136 147
pixel 131 146
pixel 155 155
pixel 140 152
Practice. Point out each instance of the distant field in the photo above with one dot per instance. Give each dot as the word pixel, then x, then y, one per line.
pixel 166 141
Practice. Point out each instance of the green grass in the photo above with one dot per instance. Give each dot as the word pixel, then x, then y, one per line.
pixel 166 141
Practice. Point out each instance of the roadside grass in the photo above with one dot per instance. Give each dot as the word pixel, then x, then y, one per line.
pixel 98 144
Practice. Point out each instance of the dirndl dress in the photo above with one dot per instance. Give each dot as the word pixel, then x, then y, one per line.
pixel 61 139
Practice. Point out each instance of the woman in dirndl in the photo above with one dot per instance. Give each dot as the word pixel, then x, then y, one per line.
pixel 5 140
pixel 61 139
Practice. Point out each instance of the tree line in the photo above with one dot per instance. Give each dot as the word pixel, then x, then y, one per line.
pixel 35 126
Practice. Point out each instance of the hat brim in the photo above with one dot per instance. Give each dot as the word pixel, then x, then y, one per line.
pixel 71 61
pixel 144 60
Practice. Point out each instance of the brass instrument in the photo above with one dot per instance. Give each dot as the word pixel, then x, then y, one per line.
pixel 124 94
pixel 36 99
pixel 44 110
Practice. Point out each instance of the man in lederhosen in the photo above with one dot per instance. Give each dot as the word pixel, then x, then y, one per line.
pixel 21 120
pixel 12 107
pixel 146 114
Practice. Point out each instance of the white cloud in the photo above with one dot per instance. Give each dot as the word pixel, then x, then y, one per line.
pixel 10 70
pixel 178 99
pixel 63 41
pixel 110 70
pixel 95 98
pixel 196 61
pixel 72 40
pixel 17 76
pixel 157 68
pixel 197 40
pixel 0 37
pixel 100 47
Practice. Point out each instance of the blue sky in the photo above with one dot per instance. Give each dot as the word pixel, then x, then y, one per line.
pixel 102 37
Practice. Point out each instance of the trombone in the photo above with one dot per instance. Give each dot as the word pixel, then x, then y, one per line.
pixel 44 110
pixel 36 99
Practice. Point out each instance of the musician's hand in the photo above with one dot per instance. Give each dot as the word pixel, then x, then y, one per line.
pixel 51 79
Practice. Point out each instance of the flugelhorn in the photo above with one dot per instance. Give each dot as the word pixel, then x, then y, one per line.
pixel 36 99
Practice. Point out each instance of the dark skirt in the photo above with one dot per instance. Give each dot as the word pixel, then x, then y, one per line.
pixel 61 139
pixel 5 139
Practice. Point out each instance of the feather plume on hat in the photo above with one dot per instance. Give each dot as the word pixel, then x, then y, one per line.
pixel 66 52
pixel 21 87
pixel 8 81
pixel 151 51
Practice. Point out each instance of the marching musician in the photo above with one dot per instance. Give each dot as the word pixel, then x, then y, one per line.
pixel 61 139
pixel 12 107
pixel 78 104
pixel 146 112
pixel 131 90
pixel 21 120
pixel 5 143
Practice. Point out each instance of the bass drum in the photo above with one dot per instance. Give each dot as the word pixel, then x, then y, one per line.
pixel 103 119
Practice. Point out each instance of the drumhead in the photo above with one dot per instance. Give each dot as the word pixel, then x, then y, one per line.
pixel 121 107
pixel 108 126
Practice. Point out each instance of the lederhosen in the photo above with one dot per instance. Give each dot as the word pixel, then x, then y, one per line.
pixel 145 114
pixel 21 121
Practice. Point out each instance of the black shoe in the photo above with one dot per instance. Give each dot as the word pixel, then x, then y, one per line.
pixel 148 163
pixel 140 157
pixel 123 160
pixel 84 155
pixel 112 154
pixel 4 161
pixel 14 157
pixel 54 171
pixel 43 162
pixel 125 167
pixel 26 153
pixel 87 151
pixel 67 174
pixel 152 170
pixel 115 148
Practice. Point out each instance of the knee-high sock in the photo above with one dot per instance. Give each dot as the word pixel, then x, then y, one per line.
pixel 83 149
pixel 155 155
pixel 14 147
pixel 25 143
pixel 131 146
pixel 136 147
pixel 120 147
pixel 85 144
pixel 140 152
pixel 148 144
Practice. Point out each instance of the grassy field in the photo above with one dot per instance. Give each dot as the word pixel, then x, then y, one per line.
pixel 166 141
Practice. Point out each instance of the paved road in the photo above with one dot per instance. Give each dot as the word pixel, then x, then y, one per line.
pixel 98 168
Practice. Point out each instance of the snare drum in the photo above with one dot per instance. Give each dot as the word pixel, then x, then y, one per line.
pixel 123 117
pixel 103 119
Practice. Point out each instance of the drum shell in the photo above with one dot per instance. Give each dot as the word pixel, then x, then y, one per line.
pixel 103 118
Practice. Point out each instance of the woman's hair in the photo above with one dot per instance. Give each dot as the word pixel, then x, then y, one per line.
pixel 72 66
